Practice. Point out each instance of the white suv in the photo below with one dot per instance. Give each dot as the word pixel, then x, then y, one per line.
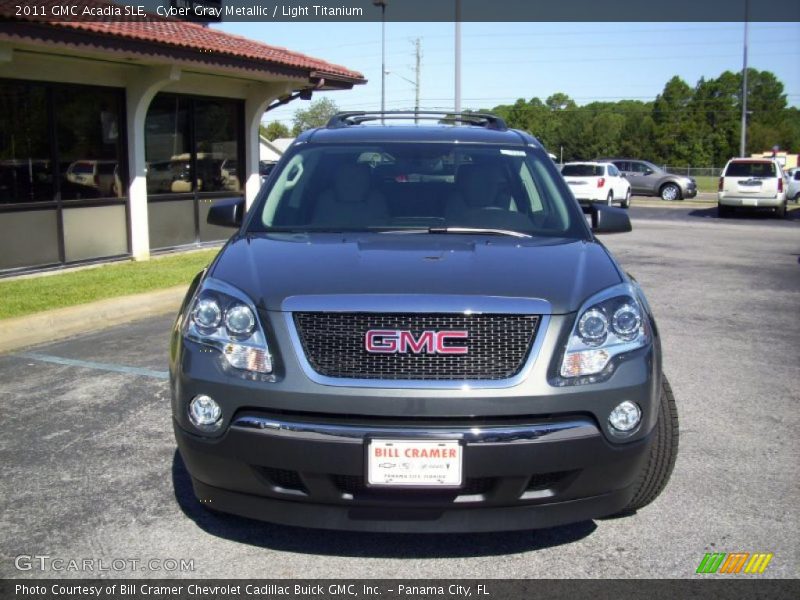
pixel 751 183
pixel 793 187
pixel 597 182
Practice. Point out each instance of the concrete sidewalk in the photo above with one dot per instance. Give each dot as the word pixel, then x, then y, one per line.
pixel 51 325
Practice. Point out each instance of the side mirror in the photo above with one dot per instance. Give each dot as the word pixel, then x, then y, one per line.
pixel 621 174
pixel 227 213
pixel 648 171
pixel 608 219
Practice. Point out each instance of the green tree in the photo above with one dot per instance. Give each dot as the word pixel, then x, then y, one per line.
pixel 316 115
pixel 274 130
pixel 684 126
pixel 674 124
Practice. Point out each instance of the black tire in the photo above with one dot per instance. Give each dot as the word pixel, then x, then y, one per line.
pixel 780 212
pixel 610 199
pixel 670 191
pixel 724 211
pixel 663 452
pixel 626 203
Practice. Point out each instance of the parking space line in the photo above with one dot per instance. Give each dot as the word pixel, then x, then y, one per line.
pixel 87 364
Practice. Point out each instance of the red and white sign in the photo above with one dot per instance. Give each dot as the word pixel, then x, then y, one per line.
pixel 414 463
pixel 398 341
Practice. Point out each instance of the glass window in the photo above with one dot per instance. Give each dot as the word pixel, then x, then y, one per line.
pixel 582 171
pixel 25 154
pixel 216 131
pixel 414 186
pixel 167 145
pixel 750 169
pixel 89 142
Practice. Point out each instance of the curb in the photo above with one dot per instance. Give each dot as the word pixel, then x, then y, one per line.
pixel 52 325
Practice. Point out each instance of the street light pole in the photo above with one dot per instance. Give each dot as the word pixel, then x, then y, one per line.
pixel 458 58
pixel 382 4
pixel 743 140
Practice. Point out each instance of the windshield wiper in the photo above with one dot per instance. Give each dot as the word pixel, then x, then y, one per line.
pixel 479 230
pixel 410 230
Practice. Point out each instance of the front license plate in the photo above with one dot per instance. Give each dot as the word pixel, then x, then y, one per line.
pixel 414 463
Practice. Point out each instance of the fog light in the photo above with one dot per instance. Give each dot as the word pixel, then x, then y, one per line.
pixel 625 416
pixel 204 411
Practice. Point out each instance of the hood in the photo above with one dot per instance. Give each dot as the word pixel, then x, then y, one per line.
pixel 272 267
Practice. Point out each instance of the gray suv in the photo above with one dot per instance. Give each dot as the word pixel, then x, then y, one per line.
pixel 414 328
pixel 647 179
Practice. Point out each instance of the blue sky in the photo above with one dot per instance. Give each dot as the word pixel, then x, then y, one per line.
pixel 505 61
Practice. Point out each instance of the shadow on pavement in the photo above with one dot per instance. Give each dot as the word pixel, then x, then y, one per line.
pixel 763 214
pixel 357 544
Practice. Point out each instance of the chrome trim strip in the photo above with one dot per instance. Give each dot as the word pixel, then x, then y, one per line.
pixel 555 431
pixel 417 384
pixel 416 303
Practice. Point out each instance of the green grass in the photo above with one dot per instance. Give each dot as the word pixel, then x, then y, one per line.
pixel 707 184
pixel 35 294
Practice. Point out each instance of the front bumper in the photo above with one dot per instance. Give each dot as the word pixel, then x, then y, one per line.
pixel 312 473
pixel 293 450
pixel 689 192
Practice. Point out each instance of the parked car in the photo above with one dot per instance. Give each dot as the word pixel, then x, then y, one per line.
pixel 377 350
pixel 597 182
pixel 228 172
pixel 793 185
pixel 97 174
pixel 647 179
pixel 159 177
pixel 752 183
pixel 208 177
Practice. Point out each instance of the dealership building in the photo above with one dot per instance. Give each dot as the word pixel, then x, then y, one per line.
pixel 117 137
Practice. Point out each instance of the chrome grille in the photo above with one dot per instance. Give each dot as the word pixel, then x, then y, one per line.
pixel 498 345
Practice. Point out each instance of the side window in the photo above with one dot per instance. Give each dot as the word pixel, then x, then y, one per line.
pixel 797 175
pixel 622 165
pixel 612 171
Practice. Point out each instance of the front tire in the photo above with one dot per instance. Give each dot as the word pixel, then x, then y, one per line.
pixel 670 191
pixel 663 452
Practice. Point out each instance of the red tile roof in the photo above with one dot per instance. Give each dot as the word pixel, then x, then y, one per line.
pixel 190 36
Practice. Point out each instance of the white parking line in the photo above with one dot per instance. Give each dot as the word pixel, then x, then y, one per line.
pixel 87 364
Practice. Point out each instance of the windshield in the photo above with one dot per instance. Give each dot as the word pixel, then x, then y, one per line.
pixel 582 171
pixel 750 169
pixel 413 186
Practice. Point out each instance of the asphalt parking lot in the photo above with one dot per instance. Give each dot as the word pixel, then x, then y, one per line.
pixel 90 468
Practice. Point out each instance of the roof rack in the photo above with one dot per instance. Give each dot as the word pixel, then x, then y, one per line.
pixel 346 119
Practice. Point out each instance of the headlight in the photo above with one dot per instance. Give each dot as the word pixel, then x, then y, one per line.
pixel 608 325
pixel 224 318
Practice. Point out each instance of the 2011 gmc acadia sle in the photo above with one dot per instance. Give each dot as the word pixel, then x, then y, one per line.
pixel 415 329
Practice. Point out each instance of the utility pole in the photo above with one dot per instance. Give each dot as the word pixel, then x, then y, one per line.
pixel 418 52
pixel 743 141
pixel 382 4
pixel 458 58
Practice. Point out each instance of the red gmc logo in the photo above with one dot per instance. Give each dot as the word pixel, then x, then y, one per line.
pixel 398 341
